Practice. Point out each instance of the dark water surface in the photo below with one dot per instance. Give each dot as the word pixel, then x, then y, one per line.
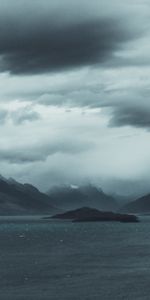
pixel 74 261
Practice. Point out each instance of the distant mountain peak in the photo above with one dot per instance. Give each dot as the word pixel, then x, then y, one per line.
pixel 73 196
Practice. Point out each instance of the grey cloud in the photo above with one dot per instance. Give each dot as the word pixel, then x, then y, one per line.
pixel 18 156
pixel 124 105
pixel 24 115
pixel 135 116
pixel 130 106
pixel 3 116
pixel 49 43
pixel 39 153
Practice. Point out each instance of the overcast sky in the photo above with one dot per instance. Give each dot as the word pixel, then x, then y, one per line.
pixel 74 92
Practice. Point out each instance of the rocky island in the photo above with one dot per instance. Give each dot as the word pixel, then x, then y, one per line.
pixel 86 214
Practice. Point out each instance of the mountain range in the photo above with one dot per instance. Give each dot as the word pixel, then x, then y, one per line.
pixel 72 197
pixel 24 199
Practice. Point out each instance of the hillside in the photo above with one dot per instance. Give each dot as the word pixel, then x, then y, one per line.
pixel 140 205
pixel 17 198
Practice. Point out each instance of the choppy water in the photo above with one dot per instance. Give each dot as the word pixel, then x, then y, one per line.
pixel 69 261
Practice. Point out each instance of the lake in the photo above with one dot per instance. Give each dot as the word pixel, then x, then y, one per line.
pixel 60 260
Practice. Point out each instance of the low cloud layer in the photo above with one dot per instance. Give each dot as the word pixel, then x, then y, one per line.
pixel 39 152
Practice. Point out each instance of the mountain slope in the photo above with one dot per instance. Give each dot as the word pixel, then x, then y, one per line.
pixel 141 205
pixel 17 198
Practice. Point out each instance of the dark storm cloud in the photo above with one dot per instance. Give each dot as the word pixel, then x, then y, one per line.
pixel 137 117
pixel 51 45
